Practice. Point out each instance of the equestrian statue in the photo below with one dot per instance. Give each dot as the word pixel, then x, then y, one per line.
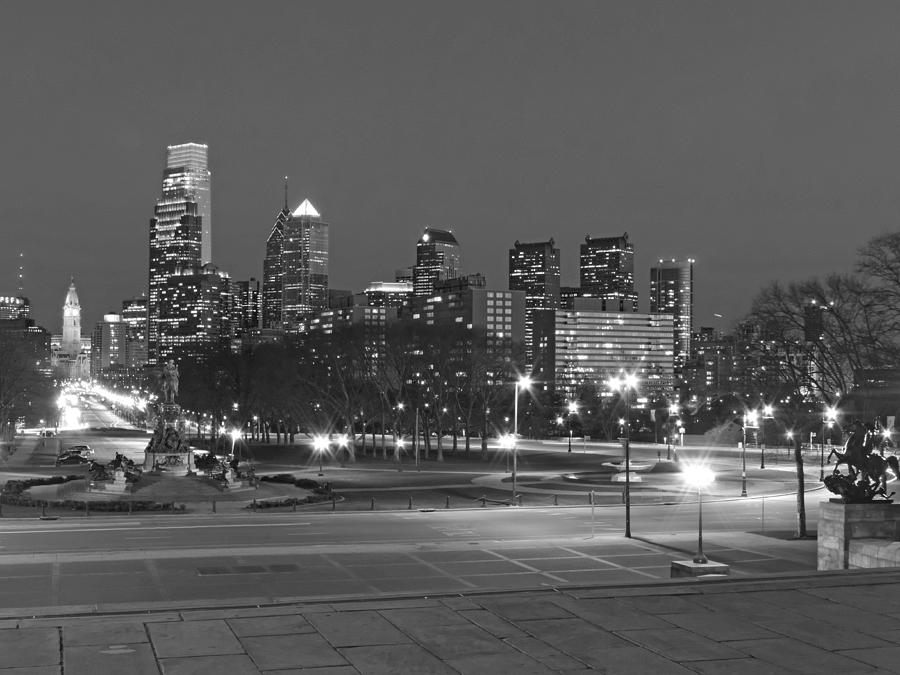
pixel 867 469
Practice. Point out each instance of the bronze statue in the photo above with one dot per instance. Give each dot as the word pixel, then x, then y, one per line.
pixel 170 381
pixel 867 471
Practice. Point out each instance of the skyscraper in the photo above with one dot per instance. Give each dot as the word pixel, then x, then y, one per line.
pixel 273 270
pixel 134 318
pixel 246 298
pixel 607 272
pixel 71 333
pixel 534 268
pixel 304 261
pixel 196 312
pixel 192 160
pixel 175 241
pixel 14 307
pixel 437 259
pixel 672 292
pixel 107 344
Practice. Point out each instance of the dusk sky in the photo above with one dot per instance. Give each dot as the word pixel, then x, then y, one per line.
pixel 760 138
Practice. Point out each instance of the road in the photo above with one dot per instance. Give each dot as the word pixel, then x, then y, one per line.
pixel 78 561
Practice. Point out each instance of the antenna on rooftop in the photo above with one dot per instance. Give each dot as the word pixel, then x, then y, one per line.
pixel 285 194
pixel 21 273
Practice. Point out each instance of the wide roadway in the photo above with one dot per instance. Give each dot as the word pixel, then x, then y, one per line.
pixel 80 562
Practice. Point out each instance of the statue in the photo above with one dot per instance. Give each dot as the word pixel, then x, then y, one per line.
pixel 867 471
pixel 170 381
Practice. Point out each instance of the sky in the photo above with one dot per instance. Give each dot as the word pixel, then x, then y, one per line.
pixel 759 138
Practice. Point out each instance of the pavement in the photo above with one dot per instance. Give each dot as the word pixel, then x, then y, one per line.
pixel 803 623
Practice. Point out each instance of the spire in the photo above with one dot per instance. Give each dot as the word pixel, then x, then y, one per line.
pixel 21 274
pixel 306 209
pixel 285 194
pixel 72 295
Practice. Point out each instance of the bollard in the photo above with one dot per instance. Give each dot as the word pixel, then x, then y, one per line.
pixel 555 500
pixel 87 508
pixel 410 503
pixel 129 508
pixel 518 500
pixel 332 502
pixel 43 509
pixel 483 501
pixel 294 507
pixel 214 505
pixel 373 504
pixel 447 505
pixel 253 505
pixel 590 497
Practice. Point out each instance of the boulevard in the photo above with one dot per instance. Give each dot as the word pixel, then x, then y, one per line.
pixel 238 553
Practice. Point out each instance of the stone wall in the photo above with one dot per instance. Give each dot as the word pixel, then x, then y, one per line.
pixel 842 526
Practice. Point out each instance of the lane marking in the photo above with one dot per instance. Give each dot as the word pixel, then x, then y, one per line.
pixel 147 528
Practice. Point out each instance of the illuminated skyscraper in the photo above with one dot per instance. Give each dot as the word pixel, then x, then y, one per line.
pixel 273 270
pixel 437 259
pixel 134 318
pixel 672 292
pixel 107 344
pixel 304 261
pixel 607 272
pixel 534 268
pixel 192 160
pixel 196 312
pixel 246 298
pixel 71 333
pixel 175 242
pixel 14 307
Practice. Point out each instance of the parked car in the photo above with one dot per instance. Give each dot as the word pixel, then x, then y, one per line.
pixel 79 450
pixel 68 459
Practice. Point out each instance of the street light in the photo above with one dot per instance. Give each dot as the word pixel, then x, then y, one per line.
pixel 699 476
pixel 828 418
pixel 320 445
pixel 768 414
pixel 573 410
pixel 235 435
pixel 625 383
pixel 343 441
pixel 750 421
pixel 524 382
pixel 673 412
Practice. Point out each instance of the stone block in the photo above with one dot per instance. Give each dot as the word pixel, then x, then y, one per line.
pixel 689 568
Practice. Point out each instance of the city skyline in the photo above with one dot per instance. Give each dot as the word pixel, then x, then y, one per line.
pixel 737 136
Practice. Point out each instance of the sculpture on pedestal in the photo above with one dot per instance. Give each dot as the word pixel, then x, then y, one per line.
pixel 170 381
pixel 867 470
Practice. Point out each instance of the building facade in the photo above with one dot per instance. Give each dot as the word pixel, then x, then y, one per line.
pixel 534 269
pixel 672 292
pixel 190 162
pixel 437 259
pixel 196 313
pixel 304 261
pixel 14 307
pixel 592 345
pixel 606 272
pixel 108 344
pixel 134 318
pixel 273 270
pixel 247 304
pixel 175 244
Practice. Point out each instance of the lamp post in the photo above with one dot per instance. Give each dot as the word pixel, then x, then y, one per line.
pixel 625 383
pixel 343 442
pixel 699 477
pixel 749 422
pixel 320 445
pixel 573 410
pixel 522 383
pixel 673 412
pixel 768 414
pixel 235 435
pixel 828 418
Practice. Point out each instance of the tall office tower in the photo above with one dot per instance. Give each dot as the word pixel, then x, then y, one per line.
pixel 437 259
pixel 246 299
pixel 14 307
pixel 672 292
pixel 192 160
pixel 71 335
pixel 534 268
pixel 607 272
pixel 134 318
pixel 304 261
pixel 196 312
pixel 175 243
pixel 273 270
pixel 107 344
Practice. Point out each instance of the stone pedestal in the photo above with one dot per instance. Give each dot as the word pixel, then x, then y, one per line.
pixel 840 524
pixel 167 450
pixel 689 568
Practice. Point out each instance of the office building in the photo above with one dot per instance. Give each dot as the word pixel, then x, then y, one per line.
pixel 304 261
pixel 247 300
pixel 437 259
pixel 389 294
pixel 273 271
pixel 534 269
pixel 134 319
pixel 196 313
pixel 189 161
pixel 672 292
pixel 606 272
pixel 14 307
pixel 175 243
pixel 592 345
pixel 108 344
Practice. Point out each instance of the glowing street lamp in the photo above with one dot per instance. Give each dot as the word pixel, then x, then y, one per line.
pixel 625 383
pixel 768 413
pixel 524 382
pixel 828 418
pixel 750 421
pixel 699 476
pixel 573 410
pixel 320 445
pixel 673 412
